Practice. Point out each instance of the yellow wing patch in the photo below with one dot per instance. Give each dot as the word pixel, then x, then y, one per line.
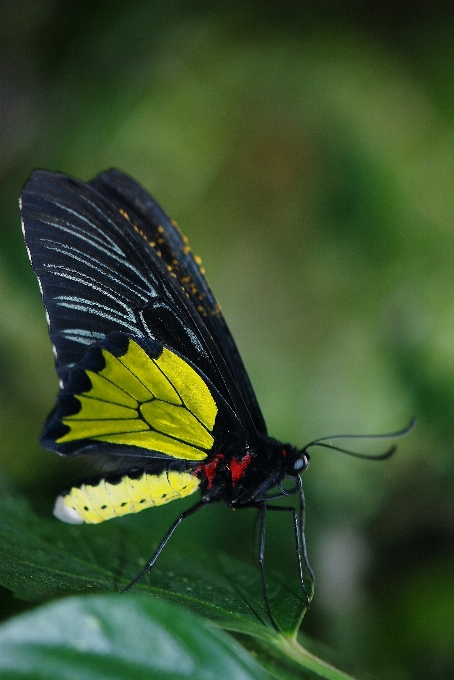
pixel 97 503
pixel 158 404
pixel 190 386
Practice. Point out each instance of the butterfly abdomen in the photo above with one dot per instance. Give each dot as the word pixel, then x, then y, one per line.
pixel 106 498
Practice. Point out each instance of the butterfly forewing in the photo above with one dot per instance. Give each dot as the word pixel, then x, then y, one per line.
pixel 93 277
pixel 157 229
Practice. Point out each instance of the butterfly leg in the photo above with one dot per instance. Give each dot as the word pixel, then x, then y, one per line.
pixel 198 506
pixel 303 539
pixel 261 560
pixel 300 543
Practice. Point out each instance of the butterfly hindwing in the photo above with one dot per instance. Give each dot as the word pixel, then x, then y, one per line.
pixel 135 397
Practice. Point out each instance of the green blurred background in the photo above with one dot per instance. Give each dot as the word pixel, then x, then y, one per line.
pixel 307 151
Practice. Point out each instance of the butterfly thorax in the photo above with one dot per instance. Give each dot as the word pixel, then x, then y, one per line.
pixel 242 479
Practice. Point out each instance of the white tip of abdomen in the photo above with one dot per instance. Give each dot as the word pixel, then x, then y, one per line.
pixel 66 514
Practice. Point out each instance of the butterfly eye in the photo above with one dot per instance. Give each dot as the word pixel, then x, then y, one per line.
pixel 301 464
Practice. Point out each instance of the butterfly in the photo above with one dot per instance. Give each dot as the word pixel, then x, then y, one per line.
pixel 150 376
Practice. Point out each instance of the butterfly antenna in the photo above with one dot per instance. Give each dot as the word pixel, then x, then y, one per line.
pixel 325 442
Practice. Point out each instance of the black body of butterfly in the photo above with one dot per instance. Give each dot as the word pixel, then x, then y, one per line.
pixel 150 375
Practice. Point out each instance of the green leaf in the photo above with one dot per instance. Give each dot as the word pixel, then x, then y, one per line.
pixel 40 559
pixel 44 558
pixel 111 636
pixel 286 659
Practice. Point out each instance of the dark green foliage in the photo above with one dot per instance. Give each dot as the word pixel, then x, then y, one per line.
pixel 111 636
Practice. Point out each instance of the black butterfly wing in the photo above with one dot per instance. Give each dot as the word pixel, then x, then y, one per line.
pixel 156 228
pixel 93 278
pixel 98 276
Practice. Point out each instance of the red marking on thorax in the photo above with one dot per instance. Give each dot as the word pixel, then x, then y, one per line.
pixel 237 467
pixel 209 469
